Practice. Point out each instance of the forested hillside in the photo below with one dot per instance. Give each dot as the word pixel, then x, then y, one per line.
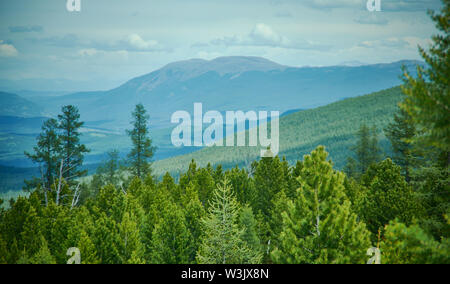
pixel 334 126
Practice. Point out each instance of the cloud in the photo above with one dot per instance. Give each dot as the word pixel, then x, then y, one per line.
pixel 132 42
pixel 7 50
pixel 137 43
pixel 264 35
pixel 395 43
pixel 26 29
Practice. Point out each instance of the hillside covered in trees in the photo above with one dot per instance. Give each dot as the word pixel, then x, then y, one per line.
pixel 375 208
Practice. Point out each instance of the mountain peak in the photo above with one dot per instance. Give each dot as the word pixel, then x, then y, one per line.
pixel 187 69
pixel 223 65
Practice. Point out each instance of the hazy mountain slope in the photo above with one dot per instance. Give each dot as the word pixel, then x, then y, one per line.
pixel 14 105
pixel 229 83
pixel 333 125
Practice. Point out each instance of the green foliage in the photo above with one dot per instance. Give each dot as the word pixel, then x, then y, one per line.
pixel 400 133
pixel 367 151
pixel 249 226
pixel 433 186
pixel 109 172
pixel 428 96
pixel 171 240
pixel 332 125
pixel 411 245
pixel 142 150
pixel 318 225
pixel 72 151
pixel 388 197
pixel 222 243
pixel 46 152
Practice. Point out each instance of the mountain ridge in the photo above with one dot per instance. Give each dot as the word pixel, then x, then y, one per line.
pixel 228 83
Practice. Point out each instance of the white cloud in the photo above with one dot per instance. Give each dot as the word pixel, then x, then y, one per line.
pixel 396 43
pixel 7 50
pixel 136 41
pixel 264 36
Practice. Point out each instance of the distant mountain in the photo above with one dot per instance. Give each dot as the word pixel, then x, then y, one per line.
pixel 14 105
pixel 352 63
pixel 228 83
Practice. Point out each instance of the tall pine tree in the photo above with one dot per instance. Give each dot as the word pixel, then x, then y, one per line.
pixel 142 150
pixel 428 96
pixel 46 153
pixel 72 151
pixel 319 225
pixel 400 132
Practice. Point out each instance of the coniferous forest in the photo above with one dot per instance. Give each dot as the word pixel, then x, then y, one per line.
pixel 269 211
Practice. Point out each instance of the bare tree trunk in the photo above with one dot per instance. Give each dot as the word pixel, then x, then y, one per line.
pixel 76 196
pixel 59 182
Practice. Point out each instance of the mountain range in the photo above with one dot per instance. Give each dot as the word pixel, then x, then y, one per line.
pixel 225 83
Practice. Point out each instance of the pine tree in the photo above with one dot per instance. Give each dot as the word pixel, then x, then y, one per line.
pixel 221 242
pixel 109 170
pixel 367 150
pixel 428 96
pixel 249 227
pixel 318 225
pixel 142 150
pixel 412 245
pixel 46 152
pixel 43 256
pixel 242 185
pixel 400 132
pixel 72 151
pixel 388 197
pixel 269 181
pixel 130 247
pixel 194 213
pixel 432 184
pixel 171 240
pixel 88 252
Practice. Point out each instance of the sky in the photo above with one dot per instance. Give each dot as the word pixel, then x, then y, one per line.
pixel 109 42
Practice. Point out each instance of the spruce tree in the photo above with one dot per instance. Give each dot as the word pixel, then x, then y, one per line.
pixel 142 150
pixel 366 150
pixel 109 171
pixel 46 152
pixel 249 228
pixel 221 242
pixel 388 197
pixel 269 181
pixel 428 96
pixel 400 132
pixel 72 151
pixel 171 240
pixel 319 225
